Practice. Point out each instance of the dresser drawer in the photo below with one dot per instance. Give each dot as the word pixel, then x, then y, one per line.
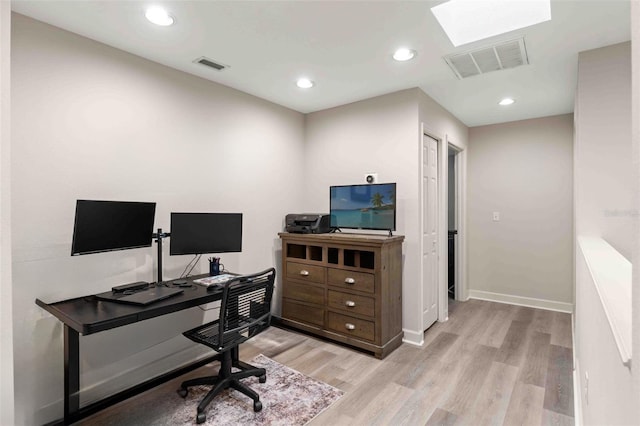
pixel 362 305
pixel 350 326
pixel 299 271
pixel 303 292
pixel 352 280
pixel 303 313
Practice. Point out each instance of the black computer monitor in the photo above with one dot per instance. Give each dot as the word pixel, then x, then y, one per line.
pixel 200 233
pixel 112 225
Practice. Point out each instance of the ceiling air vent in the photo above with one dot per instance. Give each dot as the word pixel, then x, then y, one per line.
pixel 211 64
pixel 509 54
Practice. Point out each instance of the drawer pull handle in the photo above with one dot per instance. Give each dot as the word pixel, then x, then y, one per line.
pixel 350 326
pixel 350 303
pixel 350 280
pixel 304 273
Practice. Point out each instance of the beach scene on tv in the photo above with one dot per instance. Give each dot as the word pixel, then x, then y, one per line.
pixel 363 206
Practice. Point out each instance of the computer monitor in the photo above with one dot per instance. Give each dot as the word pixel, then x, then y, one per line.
pixel 111 225
pixel 365 206
pixel 200 233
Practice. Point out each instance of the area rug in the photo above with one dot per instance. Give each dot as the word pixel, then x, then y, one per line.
pixel 288 398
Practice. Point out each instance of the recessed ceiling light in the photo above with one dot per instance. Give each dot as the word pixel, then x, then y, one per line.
pixel 467 21
pixel 404 54
pixel 506 101
pixel 304 83
pixel 159 16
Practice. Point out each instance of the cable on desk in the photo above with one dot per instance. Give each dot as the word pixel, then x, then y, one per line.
pixel 191 264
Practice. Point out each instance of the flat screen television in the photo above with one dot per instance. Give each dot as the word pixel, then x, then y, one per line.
pixel 367 206
pixel 101 226
pixel 200 233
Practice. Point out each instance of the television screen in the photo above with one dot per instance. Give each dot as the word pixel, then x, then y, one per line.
pixel 368 206
pixel 199 233
pixel 111 225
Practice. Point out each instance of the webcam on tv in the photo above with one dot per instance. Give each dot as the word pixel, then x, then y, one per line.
pixel 371 177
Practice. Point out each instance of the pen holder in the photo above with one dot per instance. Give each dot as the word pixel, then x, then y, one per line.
pixel 215 267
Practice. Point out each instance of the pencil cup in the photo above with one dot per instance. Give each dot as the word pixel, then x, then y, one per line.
pixel 215 267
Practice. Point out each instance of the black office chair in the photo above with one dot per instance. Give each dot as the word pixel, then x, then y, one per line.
pixel 245 311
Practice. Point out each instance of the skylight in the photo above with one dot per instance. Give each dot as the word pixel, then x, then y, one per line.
pixel 466 21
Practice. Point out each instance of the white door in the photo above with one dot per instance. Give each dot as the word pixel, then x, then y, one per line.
pixel 429 231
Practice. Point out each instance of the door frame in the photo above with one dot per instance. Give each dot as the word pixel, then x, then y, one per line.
pixel 443 143
pixel 460 161
pixel 462 291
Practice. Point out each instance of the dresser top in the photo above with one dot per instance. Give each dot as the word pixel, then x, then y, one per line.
pixel 344 237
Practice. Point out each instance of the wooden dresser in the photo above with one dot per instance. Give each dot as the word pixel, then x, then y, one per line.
pixel 345 287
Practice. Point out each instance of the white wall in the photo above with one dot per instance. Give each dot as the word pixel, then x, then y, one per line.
pixel 604 200
pixel 379 135
pixel 603 171
pixel 635 142
pixel 523 170
pixel 376 135
pixel 609 399
pixel 90 121
pixel 6 319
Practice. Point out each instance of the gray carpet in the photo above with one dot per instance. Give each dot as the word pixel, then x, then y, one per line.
pixel 288 398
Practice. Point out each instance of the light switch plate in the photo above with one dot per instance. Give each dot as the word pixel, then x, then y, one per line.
pixel 496 216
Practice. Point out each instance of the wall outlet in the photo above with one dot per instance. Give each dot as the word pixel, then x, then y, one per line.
pixel 496 216
pixel 371 178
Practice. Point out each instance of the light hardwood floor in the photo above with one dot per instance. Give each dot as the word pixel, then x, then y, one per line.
pixel 490 364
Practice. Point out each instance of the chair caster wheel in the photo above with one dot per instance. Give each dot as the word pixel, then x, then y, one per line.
pixel 201 418
pixel 257 406
pixel 183 392
pixel 262 378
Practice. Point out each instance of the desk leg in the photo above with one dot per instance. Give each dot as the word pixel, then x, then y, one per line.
pixel 71 374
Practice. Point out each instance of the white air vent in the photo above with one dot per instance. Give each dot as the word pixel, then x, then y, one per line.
pixel 210 63
pixel 509 54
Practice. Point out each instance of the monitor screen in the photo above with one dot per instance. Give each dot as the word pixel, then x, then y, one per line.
pixel 367 206
pixel 112 225
pixel 199 233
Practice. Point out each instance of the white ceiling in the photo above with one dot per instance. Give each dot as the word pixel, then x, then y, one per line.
pixel 346 48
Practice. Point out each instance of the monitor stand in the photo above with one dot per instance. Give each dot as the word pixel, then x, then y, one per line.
pixel 159 236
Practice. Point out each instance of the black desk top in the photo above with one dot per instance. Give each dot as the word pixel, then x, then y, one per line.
pixel 88 315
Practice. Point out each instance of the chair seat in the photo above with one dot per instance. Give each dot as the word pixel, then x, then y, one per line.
pixel 208 334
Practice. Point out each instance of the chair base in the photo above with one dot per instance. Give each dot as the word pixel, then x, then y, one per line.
pixel 224 380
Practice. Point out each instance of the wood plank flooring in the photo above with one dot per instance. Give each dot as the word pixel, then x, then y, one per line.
pixel 490 364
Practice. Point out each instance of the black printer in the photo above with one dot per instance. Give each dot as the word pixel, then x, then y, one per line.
pixel 308 223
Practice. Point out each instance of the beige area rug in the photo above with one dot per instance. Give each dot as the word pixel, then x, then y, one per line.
pixel 288 398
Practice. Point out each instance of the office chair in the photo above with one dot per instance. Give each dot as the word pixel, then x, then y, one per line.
pixel 245 311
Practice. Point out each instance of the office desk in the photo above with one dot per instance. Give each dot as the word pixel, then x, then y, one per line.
pixel 88 315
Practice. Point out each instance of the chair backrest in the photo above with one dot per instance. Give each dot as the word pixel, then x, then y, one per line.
pixel 245 309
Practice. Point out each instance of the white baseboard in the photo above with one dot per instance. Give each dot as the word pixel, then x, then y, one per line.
pixel 530 302
pixel 415 338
